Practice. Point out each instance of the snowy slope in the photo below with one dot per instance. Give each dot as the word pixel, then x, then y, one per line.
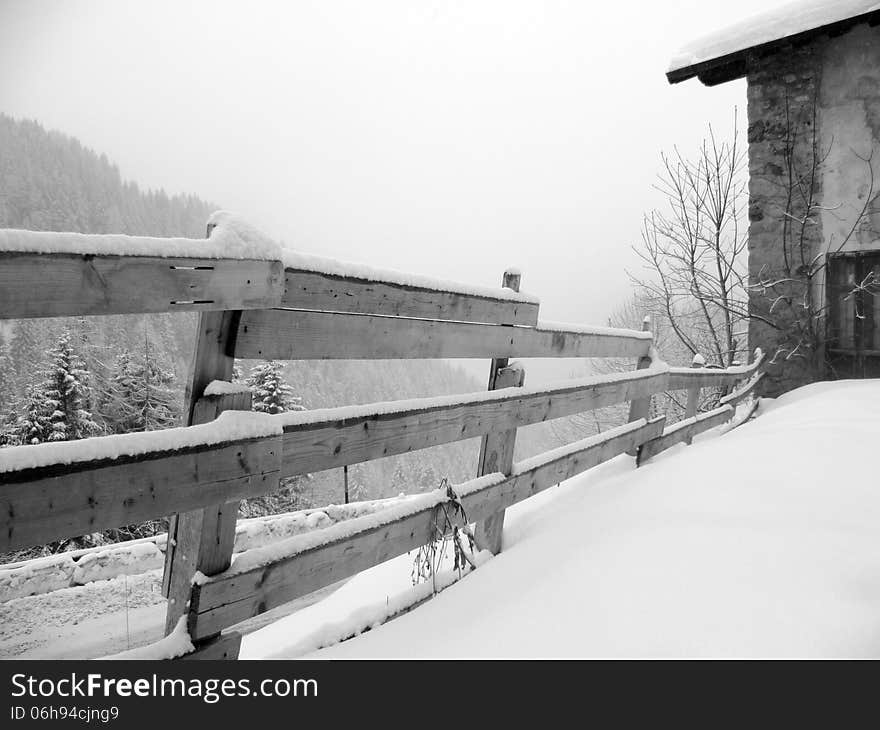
pixel 762 542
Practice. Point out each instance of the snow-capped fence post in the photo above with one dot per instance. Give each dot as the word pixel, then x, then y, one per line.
pixel 496 449
pixel 641 407
pixel 693 394
pixel 202 540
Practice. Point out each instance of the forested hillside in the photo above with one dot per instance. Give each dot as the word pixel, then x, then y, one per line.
pixel 50 182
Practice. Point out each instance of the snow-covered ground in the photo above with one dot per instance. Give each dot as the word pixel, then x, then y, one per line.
pixel 761 542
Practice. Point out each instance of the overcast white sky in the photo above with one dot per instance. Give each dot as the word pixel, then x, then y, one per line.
pixel 449 139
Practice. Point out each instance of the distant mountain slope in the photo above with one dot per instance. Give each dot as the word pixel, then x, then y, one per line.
pixel 51 182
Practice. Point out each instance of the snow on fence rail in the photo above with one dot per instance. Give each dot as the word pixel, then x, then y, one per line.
pixel 236 268
pixel 66 498
pixel 53 491
pixel 683 378
pixel 318 309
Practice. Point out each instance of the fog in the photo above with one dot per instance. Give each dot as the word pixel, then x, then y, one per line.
pixel 450 139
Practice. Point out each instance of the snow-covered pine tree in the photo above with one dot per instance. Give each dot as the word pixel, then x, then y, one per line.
pixel 139 394
pixel 155 397
pixel 117 401
pixel 34 426
pixel 9 428
pixel 65 395
pixel 23 353
pixel 272 394
pixel 7 375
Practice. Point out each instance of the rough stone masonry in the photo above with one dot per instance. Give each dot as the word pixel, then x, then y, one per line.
pixel 814 124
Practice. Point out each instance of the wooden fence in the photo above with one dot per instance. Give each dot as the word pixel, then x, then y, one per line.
pixel 282 309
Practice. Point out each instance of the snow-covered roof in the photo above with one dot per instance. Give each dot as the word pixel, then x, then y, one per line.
pixel 721 56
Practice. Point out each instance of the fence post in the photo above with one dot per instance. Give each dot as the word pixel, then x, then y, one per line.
pixel 641 407
pixel 203 539
pixel 693 394
pixel 496 449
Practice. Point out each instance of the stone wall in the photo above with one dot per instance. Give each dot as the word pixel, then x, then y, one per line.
pixel 849 124
pixel 814 115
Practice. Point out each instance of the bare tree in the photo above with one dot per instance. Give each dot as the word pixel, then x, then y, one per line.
pixel 694 250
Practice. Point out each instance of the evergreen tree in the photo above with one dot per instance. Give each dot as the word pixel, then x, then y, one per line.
pixel 34 426
pixel 117 409
pixel 62 399
pixel 155 396
pixel 24 354
pixel 140 394
pixel 7 374
pixel 9 434
pixel 271 392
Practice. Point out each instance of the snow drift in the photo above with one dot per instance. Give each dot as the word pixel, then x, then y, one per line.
pixel 758 543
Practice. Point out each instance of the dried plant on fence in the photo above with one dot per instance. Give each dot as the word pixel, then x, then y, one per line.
pixel 449 531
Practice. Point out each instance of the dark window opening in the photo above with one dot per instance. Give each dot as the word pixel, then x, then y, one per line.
pixel 853 324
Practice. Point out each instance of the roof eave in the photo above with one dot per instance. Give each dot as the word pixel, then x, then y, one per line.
pixel 736 65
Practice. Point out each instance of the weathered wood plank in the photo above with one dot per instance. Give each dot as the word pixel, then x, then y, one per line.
pixel 743 392
pixel 48 503
pixel 693 395
pixel 225 601
pixel 181 563
pixel 65 285
pixel 641 407
pixel 207 532
pixel 218 522
pixel 335 437
pixel 285 334
pixel 224 647
pixel 330 293
pixel 496 455
pixel 685 431
pixel 703 378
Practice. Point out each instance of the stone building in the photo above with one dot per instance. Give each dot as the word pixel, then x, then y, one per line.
pixel 813 74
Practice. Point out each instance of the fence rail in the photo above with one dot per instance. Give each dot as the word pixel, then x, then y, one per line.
pixel 324 292
pixel 263 303
pixel 239 594
pixel 284 334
